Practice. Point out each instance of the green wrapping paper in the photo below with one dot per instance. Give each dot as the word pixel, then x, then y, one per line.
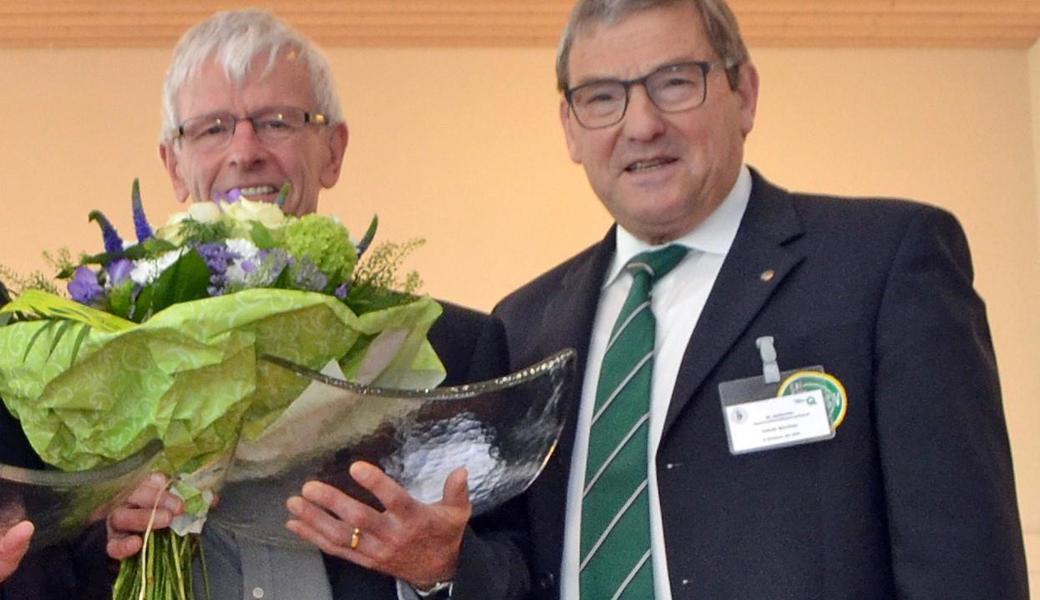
pixel 99 390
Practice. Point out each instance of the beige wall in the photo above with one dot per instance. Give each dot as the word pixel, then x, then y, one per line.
pixel 1032 527
pixel 1034 81
pixel 463 147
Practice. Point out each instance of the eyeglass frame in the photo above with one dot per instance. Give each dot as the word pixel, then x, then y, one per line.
pixel 309 118
pixel 704 65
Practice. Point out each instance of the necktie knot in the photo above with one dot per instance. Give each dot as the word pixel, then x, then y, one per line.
pixel 655 264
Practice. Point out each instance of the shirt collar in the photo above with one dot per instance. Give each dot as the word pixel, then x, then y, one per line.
pixel 714 235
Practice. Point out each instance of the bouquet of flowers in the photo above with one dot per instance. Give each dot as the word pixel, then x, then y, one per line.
pixel 161 340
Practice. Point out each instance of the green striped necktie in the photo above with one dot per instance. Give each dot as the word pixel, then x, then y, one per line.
pixel 615 513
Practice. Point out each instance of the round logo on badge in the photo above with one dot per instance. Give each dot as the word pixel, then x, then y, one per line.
pixel 834 395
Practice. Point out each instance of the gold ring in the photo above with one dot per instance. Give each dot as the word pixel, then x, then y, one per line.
pixel 355 539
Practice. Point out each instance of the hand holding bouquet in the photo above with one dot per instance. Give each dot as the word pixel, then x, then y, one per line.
pixel 162 336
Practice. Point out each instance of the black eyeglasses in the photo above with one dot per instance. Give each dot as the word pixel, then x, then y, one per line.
pixel 212 131
pixel 672 88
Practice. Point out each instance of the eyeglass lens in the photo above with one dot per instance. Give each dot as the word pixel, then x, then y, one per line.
pixel 672 88
pixel 214 130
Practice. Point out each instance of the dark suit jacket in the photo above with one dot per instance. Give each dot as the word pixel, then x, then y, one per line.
pixel 471 346
pixel 913 498
pixel 50 573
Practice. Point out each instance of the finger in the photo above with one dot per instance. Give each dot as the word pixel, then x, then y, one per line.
pixel 390 494
pixel 329 534
pixel 152 492
pixel 456 489
pixel 342 506
pixel 331 546
pixel 122 547
pixel 335 529
pixel 146 491
pixel 17 538
pixel 13 546
pixel 126 520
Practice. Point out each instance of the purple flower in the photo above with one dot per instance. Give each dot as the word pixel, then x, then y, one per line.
pixel 113 243
pixel 217 256
pixel 342 291
pixel 141 226
pixel 119 270
pixel 84 286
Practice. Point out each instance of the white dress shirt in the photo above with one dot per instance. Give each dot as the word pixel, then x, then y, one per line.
pixel 677 301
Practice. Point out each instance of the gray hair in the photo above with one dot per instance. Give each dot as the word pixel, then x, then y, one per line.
pixel 234 39
pixel 719 23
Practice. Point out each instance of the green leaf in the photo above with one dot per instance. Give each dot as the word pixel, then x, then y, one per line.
pixel 35 337
pixel 370 234
pixel 148 249
pixel 62 329
pixel 366 298
pixel 46 305
pixel 284 280
pixel 83 333
pixel 184 280
pixel 121 298
pixel 262 236
pixel 283 194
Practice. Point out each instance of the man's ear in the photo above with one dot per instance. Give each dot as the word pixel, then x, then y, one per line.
pixel 338 138
pixel 568 121
pixel 170 160
pixel 747 90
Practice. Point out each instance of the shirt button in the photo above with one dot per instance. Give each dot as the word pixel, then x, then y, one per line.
pixel 258 592
pixel 686 582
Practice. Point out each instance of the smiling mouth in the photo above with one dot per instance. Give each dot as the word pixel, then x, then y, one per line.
pixel 641 166
pixel 249 192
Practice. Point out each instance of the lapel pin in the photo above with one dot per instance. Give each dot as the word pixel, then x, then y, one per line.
pixel 767 275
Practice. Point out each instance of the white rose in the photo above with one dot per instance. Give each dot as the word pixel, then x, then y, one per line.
pixel 267 214
pixel 205 212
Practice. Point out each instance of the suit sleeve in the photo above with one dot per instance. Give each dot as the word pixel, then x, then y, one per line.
pixel 493 563
pixel 953 517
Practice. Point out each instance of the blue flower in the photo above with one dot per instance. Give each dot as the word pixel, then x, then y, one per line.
pixel 217 256
pixel 84 286
pixel 141 226
pixel 119 271
pixel 113 243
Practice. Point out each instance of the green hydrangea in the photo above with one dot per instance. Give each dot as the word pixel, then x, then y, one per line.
pixel 325 242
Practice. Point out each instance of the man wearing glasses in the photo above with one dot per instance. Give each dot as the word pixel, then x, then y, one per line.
pixel 805 406
pixel 250 105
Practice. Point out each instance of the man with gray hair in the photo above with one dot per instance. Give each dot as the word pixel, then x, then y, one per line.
pixel 250 105
pixel 805 406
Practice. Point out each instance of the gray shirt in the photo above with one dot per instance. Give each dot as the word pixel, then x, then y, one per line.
pixel 239 567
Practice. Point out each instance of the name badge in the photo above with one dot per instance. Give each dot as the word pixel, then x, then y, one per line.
pixel 776 422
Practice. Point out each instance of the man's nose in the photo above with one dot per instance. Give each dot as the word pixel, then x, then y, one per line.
pixel 643 120
pixel 245 149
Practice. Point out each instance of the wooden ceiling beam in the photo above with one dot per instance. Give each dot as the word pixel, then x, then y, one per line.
pixel 524 23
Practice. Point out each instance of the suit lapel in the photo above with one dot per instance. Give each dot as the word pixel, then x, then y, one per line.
pixel 569 317
pixel 759 260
